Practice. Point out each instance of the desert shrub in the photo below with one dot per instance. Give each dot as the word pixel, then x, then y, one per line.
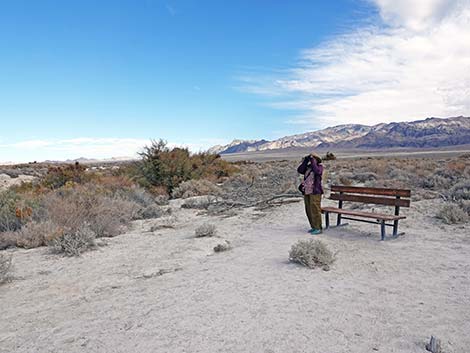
pixel 8 239
pixel 5 268
pixel 148 205
pixel 8 219
pixel 205 230
pixel 435 182
pixel 74 243
pixel 311 253
pixel 346 179
pixel 192 188
pixel 452 214
pixel 35 234
pixel 162 166
pixel 168 222
pixel 199 202
pixel 329 156
pixel 225 246
pixel 465 205
pixel 365 176
pixel 149 212
pixel 161 200
pixel 105 215
pixel 57 177
pixel 460 191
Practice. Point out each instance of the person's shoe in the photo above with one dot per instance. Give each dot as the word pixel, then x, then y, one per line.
pixel 315 231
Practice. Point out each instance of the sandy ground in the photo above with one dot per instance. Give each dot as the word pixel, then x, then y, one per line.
pixel 166 291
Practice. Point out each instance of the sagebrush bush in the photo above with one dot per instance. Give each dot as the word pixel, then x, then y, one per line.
pixel 5 268
pixel 105 215
pixel 193 188
pixel 8 219
pixel 460 191
pixel 35 234
pixel 465 206
pixel 205 230
pixel 311 253
pixel 8 240
pixel 365 176
pixel 74 243
pixel 199 202
pixel 452 213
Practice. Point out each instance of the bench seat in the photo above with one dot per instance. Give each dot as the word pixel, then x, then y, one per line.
pixel 381 216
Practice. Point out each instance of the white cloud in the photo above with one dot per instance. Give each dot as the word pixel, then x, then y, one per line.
pixel 414 14
pixel 417 64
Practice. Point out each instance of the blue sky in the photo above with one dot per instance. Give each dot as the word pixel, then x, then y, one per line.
pixel 100 78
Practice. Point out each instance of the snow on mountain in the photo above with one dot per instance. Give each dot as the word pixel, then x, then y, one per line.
pixel 430 132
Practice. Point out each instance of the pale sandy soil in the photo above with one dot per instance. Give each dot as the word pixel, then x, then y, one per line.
pixel 6 181
pixel 378 296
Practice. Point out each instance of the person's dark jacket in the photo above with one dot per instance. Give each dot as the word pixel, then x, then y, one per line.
pixel 312 171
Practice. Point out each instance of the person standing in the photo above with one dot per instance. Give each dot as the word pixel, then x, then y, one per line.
pixel 312 169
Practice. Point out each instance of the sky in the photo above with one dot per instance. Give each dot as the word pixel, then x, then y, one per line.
pixel 100 79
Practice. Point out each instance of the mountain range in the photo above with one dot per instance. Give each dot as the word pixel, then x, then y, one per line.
pixel 427 133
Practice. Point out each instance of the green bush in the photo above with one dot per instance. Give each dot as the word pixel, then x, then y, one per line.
pixel 8 215
pixel 164 167
pixel 329 156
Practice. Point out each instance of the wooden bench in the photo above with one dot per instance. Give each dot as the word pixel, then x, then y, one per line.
pixel 379 196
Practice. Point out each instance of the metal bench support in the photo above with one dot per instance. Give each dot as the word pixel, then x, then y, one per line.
pixel 340 205
pixel 395 223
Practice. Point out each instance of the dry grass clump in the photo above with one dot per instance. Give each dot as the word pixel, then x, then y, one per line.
pixel 192 188
pixel 8 240
pixel 35 234
pixel 199 202
pixel 74 243
pixel 311 253
pixel 205 230
pixel 5 268
pixel 106 216
pixel 225 246
pixel 452 213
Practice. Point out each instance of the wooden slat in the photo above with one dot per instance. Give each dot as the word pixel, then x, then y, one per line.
pixel 371 191
pixel 386 217
pixel 371 199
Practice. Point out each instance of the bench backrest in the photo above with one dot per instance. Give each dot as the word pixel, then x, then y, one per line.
pixel 378 196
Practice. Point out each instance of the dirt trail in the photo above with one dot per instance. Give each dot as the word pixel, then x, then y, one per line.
pixel 166 291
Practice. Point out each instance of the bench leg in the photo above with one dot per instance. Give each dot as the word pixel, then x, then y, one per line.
pixel 338 220
pixel 395 228
pixel 382 229
pixel 327 220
